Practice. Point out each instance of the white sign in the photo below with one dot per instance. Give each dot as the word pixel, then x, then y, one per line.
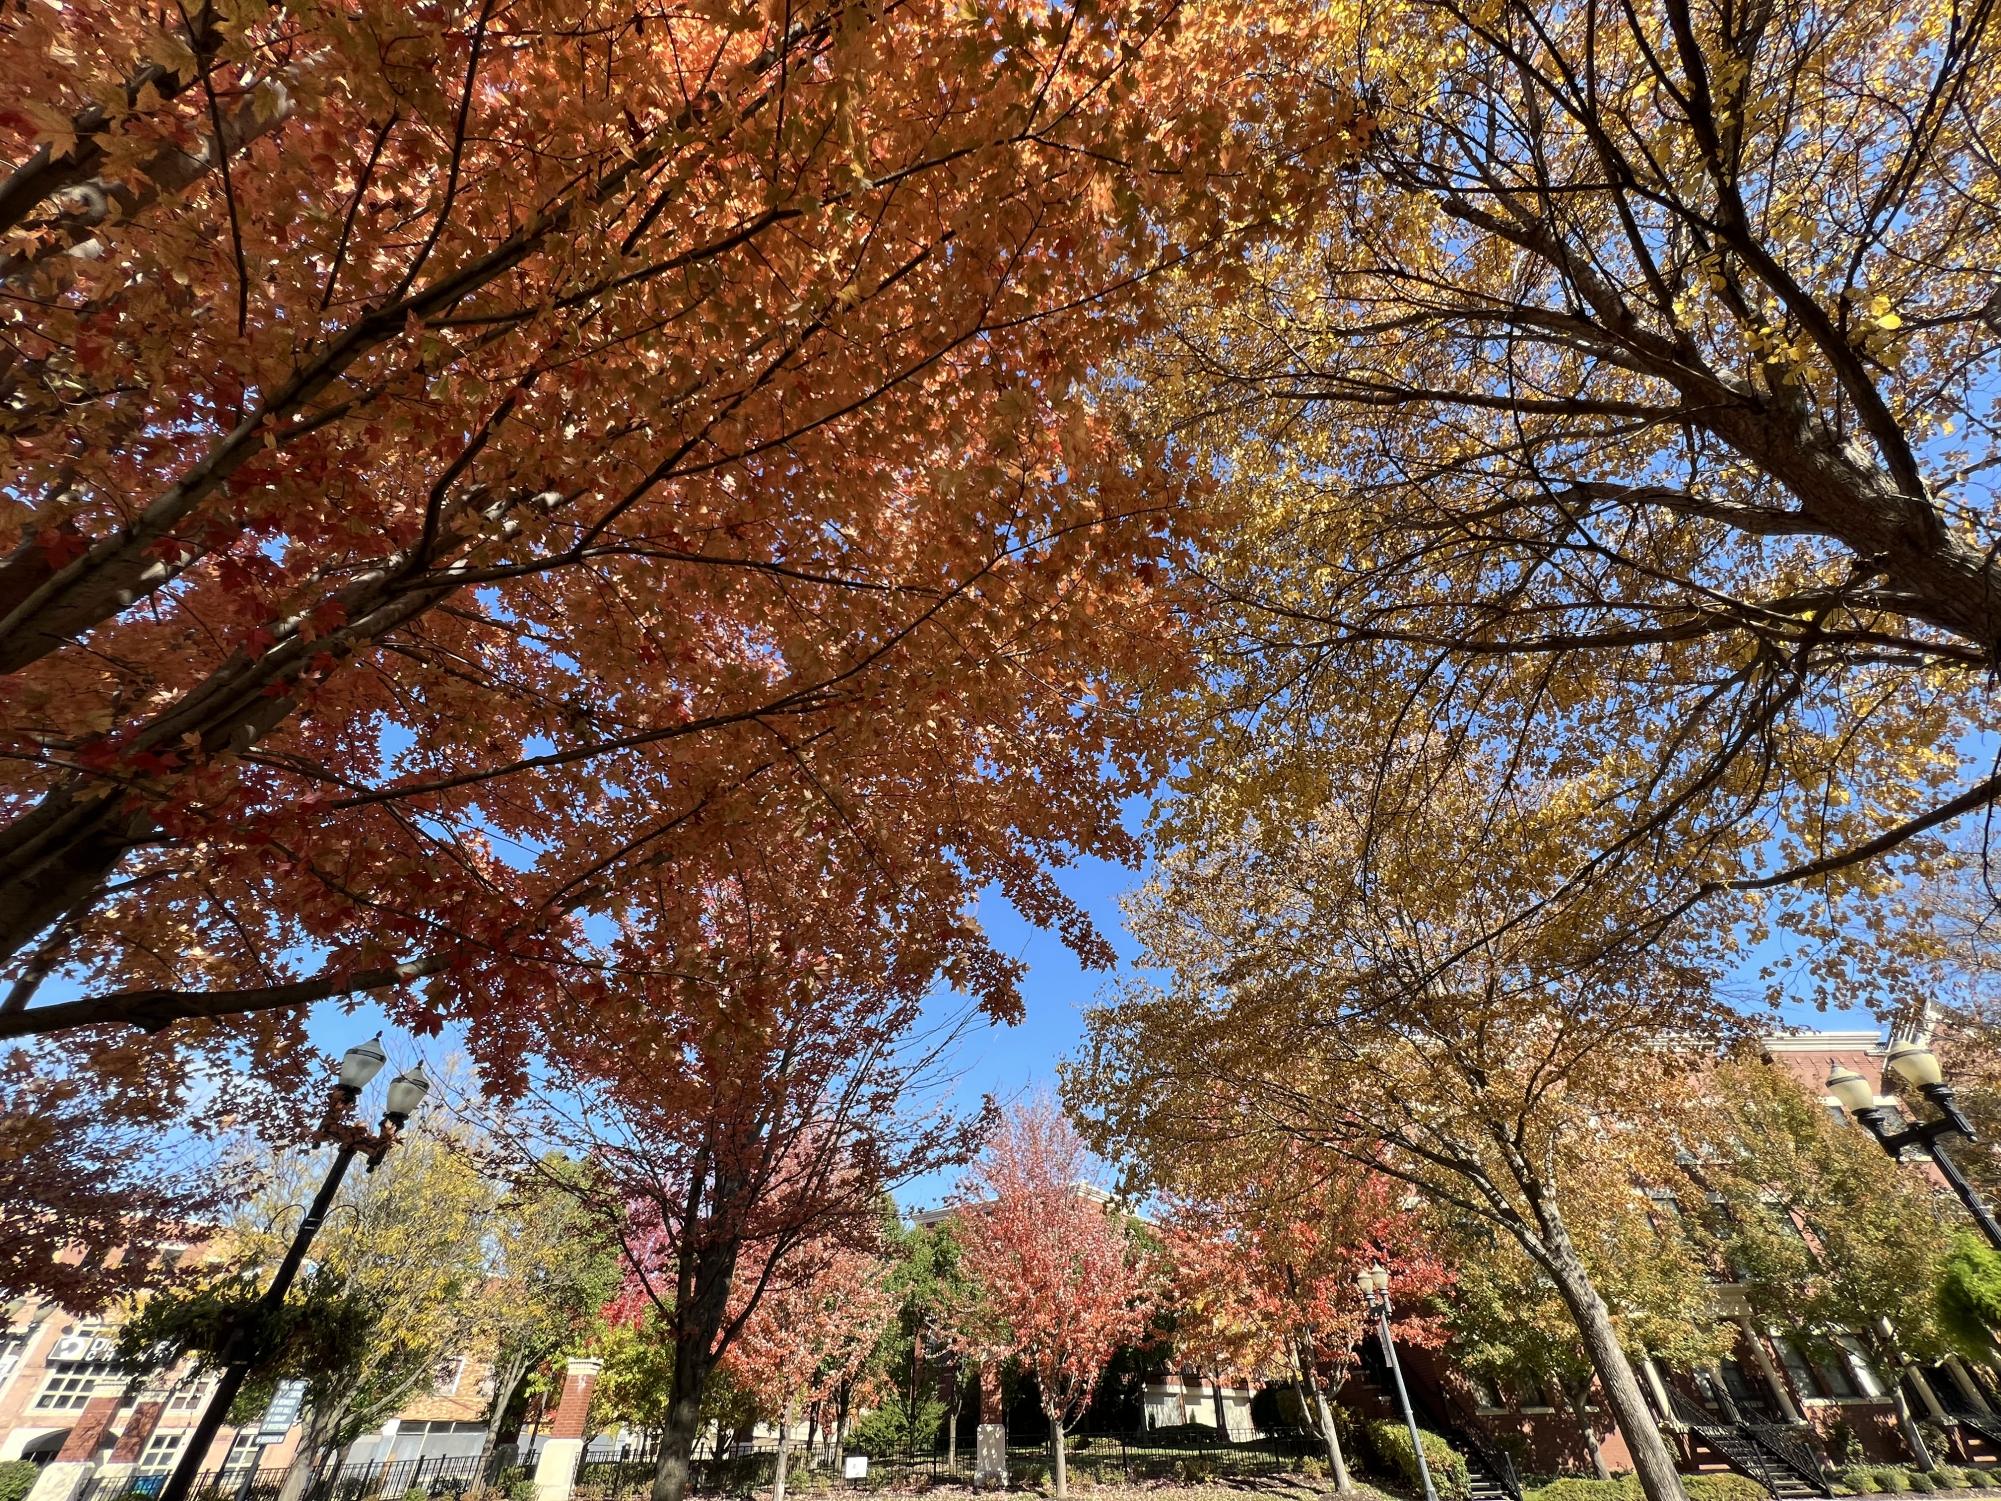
pixel 855 1467
pixel 283 1411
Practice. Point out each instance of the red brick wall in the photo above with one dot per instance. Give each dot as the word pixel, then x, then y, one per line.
pixel 138 1428
pixel 573 1412
pixel 91 1425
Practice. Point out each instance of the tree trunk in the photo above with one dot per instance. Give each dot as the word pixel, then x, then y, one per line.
pixel 952 1405
pixel 506 1379
pixel 311 1455
pixel 1580 1410
pixel 1222 1408
pixel 1056 1454
pixel 1653 1461
pixel 1302 1368
pixel 784 1449
pixel 695 1322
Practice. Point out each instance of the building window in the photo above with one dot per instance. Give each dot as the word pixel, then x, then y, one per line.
pixel 189 1397
pixel 445 1381
pixel 244 1451
pixel 161 1450
pixel 1869 1382
pixel 1828 1369
pixel 72 1384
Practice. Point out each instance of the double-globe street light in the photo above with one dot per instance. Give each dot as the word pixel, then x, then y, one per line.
pixel 1374 1285
pixel 1918 1067
pixel 358 1066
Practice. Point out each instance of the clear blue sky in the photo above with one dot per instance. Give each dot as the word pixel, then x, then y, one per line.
pixel 1006 1061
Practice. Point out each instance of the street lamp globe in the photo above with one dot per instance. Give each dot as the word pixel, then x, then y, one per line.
pixel 1915 1064
pixel 1850 1090
pixel 361 1063
pixel 1379 1279
pixel 406 1093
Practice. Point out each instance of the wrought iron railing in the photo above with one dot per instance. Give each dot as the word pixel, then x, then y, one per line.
pixel 1764 1451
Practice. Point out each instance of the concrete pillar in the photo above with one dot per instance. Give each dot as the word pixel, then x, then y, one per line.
pixel 1770 1372
pixel 556 1466
pixel 1659 1389
pixel 1929 1397
pixel 65 1476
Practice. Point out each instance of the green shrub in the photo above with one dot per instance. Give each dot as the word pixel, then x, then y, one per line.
pixel 1390 1443
pixel 522 1489
pixel 1626 1488
pixel 1892 1479
pixel 1977 1479
pixel 1723 1488
pixel 1859 1479
pixel 17 1478
pixel 416 1493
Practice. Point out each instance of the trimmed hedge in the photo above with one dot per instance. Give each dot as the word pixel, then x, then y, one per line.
pixel 1389 1442
pixel 1728 1487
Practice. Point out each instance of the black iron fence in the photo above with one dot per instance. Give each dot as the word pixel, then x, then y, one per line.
pixel 439 1478
pixel 1189 1453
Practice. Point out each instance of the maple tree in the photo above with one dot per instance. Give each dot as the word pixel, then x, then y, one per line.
pixel 1634 412
pixel 1213 1303
pixel 810 1336
pixel 90 1197
pixel 1061 1283
pixel 768 1125
pixel 468 466
pixel 1373 993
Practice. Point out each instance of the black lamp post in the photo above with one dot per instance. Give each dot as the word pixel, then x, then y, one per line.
pixel 1374 1285
pixel 1918 1067
pixel 406 1092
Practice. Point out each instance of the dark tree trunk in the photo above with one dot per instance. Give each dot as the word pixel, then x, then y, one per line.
pixel 1653 1461
pixel 696 1321
pixel 506 1380
pixel 1587 1431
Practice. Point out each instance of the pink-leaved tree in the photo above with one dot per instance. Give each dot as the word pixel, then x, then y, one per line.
pixel 1061 1282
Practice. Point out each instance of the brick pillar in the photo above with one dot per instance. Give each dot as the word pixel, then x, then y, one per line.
pixel 87 1437
pixel 556 1466
pixel 573 1412
pixel 64 1477
pixel 138 1428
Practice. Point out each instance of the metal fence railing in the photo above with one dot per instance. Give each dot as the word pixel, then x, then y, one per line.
pixel 439 1478
pixel 1102 1457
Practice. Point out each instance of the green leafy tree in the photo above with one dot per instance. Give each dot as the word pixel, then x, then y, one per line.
pixel 553 1270
pixel 1832 1241
pixel 1509 1325
pixel 919 1353
pixel 1969 1297
pixel 637 1383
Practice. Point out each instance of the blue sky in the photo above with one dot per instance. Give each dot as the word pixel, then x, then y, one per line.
pixel 1006 1062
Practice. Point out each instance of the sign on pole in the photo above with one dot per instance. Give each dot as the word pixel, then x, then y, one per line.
pixel 282 1413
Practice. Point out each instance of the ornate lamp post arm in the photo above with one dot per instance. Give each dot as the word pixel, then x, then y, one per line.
pixel 245 1345
pixel 1916 1065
